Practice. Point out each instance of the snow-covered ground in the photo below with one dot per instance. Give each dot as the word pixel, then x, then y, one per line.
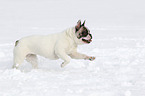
pixel 118 44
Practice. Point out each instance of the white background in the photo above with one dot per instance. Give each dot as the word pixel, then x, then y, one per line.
pixel 118 28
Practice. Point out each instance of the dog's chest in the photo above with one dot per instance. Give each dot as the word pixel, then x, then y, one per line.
pixel 71 48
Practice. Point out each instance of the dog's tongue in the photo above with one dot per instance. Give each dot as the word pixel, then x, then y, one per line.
pixel 86 38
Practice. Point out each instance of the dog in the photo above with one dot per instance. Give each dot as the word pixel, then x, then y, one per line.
pixel 53 46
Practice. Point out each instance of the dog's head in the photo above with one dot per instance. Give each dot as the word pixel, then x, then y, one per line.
pixel 83 33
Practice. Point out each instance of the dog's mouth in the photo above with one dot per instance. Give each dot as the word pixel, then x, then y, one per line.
pixel 87 41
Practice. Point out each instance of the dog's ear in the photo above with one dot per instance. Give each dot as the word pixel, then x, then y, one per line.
pixel 83 23
pixel 78 26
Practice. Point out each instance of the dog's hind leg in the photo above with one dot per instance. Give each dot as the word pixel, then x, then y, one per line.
pixel 32 58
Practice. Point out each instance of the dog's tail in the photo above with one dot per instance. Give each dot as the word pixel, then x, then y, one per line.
pixel 16 43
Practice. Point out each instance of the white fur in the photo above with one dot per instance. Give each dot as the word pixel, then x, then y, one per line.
pixel 53 46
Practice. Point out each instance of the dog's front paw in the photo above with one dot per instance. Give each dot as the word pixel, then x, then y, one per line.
pixel 91 58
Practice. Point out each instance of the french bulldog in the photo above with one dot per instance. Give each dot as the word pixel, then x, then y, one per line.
pixel 53 46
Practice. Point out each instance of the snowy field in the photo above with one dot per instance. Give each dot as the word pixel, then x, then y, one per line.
pixel 118 29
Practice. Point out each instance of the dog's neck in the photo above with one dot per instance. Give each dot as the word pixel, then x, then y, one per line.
pixel 71 32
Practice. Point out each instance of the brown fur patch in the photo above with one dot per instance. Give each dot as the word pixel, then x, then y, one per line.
pixel 16 43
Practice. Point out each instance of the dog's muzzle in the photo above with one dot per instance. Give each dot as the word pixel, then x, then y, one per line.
pixel 87 39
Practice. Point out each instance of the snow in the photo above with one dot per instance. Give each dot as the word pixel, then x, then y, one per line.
pixel 118 45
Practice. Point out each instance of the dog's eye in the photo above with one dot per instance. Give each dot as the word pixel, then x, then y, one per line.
pixel 84 34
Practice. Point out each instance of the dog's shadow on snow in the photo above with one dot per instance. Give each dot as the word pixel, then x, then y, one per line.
pixel 54 65
pixel 47 65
